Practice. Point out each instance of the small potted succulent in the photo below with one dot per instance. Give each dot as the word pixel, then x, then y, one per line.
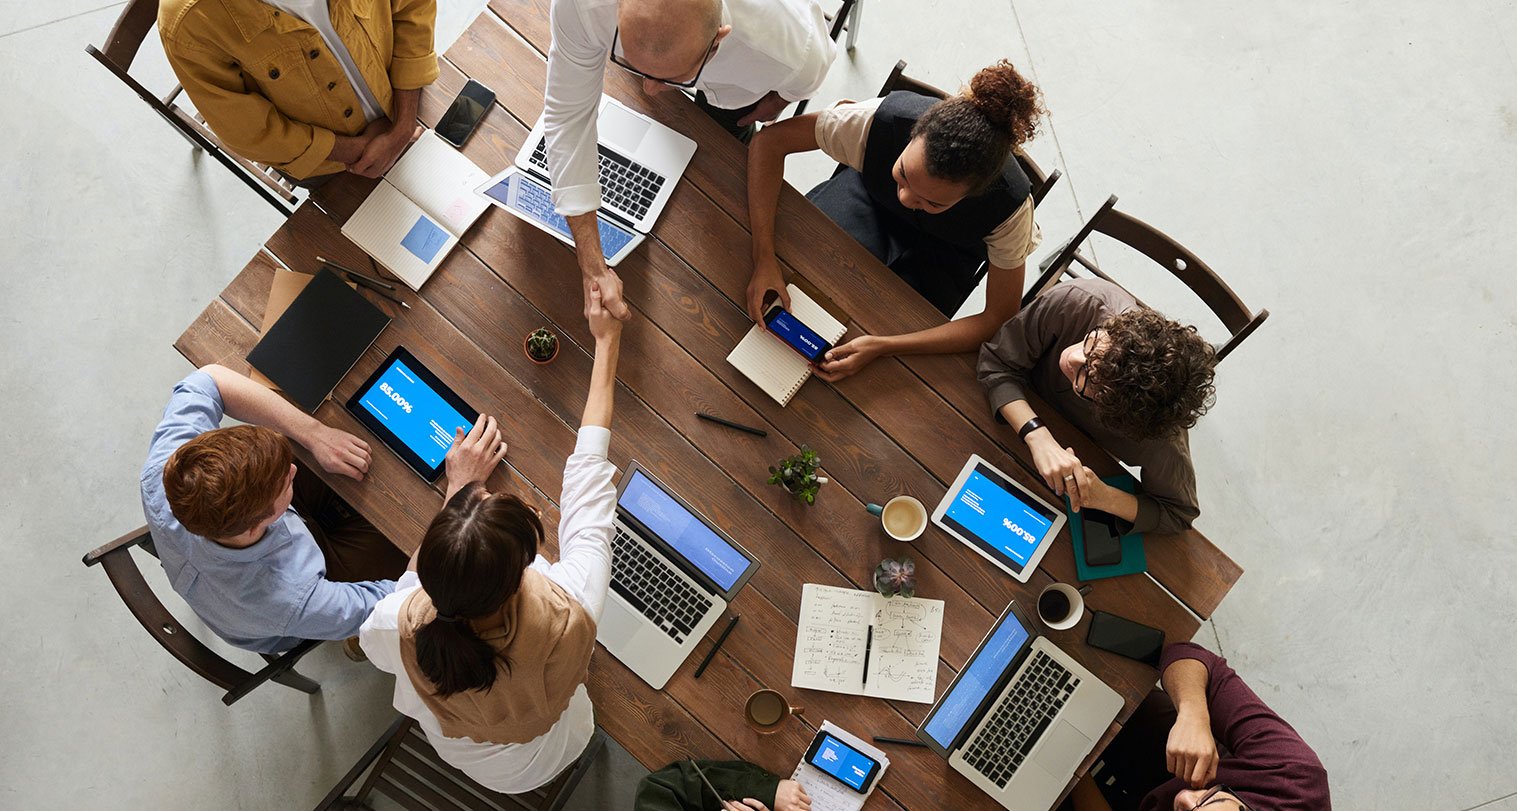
pixel 797 474
pixel 896 576
pixel 541 346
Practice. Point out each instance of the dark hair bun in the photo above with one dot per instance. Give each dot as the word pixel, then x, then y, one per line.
pixel 1008 101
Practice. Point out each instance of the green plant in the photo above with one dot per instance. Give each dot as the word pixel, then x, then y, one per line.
pixel 797 474
pixel 894 577
pixel 542 345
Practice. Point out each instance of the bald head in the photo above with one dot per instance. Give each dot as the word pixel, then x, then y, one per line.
pixel 668 38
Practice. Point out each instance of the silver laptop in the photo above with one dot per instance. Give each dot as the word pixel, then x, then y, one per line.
pixel 641 160
pixel 1020 716
pixel 672 575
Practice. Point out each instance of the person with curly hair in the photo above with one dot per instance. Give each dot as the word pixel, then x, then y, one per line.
pixel 930 186
pixel 1131 379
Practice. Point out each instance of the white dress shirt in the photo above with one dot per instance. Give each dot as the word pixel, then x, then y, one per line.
pixel 316 14
pixel 774 45
pixel 587 507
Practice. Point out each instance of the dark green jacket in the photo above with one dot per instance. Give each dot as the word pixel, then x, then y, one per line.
pixel 677 787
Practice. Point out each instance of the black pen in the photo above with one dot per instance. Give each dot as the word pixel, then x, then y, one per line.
pixel 714 648
pixel 363 282
pixel 901 741
pixel 868 644
pixel 355 275
pixel 731 424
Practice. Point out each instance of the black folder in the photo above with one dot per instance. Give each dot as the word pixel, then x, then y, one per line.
pixel 318 339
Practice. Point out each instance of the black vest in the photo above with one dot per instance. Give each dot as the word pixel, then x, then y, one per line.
pixel 969 221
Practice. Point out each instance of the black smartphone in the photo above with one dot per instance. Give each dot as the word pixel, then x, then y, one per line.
pixel 796 335
pixel 464 114
pixel 1124 637
pixel 1103 543
pixel 842 762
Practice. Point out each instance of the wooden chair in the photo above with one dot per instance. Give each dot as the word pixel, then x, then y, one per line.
pixel 847 19
pixel 407 771
pixel 132 27
pixel 116 558
pixel 1172 256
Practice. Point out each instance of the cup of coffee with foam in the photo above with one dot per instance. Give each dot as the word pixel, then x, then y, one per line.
pixel 903 517
pixel 767 709
pixel 1060 606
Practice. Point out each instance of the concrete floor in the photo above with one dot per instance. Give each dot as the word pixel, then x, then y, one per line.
pixel 1348 166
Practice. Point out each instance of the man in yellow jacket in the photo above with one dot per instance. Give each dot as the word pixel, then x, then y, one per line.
pixel 310 87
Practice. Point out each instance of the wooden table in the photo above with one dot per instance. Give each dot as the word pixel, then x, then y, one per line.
pixel 901 426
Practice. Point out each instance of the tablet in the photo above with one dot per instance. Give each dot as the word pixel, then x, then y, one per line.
pixel 998 518
pixel 412 412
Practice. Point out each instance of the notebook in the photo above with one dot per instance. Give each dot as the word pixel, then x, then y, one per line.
pixel 864 644
pixel 775 367
pixel 318 339
pixel 825 792
pixel 418 212
pixel 1133 560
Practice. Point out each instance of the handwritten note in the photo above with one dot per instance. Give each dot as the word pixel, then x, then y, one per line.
pixel 833 635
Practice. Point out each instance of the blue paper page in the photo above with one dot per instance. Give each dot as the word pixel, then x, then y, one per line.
pixel 425 239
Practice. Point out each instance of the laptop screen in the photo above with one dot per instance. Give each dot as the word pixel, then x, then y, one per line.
pixel 960 706
pixel 683 531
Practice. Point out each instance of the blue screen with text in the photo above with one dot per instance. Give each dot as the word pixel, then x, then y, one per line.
pixel 680 529
pixel 414 413
pixel 957 706
pixel 994 512
pixel 843 762
pixel 801 338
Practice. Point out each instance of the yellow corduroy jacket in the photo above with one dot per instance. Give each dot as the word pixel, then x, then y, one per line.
pixel 265 82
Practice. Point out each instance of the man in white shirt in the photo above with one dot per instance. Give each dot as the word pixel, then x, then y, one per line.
pixel 756 54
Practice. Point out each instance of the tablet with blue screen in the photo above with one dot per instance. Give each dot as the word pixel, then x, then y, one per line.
pixel 999 518
pixel 412 412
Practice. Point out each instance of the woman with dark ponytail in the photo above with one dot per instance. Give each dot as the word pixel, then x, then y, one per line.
pixel 489 642
pixel 930 186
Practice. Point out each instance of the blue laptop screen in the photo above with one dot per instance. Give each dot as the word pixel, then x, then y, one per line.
pixel 529 198
pixel 957 707
pixel 414 413
pixel 682 530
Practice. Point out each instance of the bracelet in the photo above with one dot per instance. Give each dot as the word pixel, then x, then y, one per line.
pixel 1028 427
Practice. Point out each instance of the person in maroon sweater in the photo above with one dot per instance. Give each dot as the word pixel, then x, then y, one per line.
pixel 1206 742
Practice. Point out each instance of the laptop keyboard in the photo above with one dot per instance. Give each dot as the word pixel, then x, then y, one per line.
pixel 1020 719
pixel 646 581
pixel 629 186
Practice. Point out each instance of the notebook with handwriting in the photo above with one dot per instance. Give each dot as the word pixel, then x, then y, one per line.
pixel 863 644
pixel 418 212
pixel 775 367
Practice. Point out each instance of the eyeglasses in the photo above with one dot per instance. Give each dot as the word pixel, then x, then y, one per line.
pixel 1082 377
pixel 1211 797
pixel 622 63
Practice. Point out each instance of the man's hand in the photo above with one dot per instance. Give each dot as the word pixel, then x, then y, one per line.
pixel 1191 752
pixel 338 451
pixel 766 279
pixel 474 454
pixel 768 108
pixel 610 286
pixel 602 325
pixel 384 150
pixel 1057 465
pixel 848 359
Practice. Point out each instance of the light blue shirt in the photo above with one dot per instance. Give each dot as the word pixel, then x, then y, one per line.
pixel 266 597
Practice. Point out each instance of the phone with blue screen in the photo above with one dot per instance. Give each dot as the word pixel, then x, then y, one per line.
pixel 842 762
pixel 796 335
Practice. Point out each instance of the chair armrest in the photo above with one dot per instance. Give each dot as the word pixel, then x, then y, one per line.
pixel 136 537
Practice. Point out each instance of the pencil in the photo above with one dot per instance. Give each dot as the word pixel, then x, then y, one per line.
pixel 353 273
pixel 901 741
pixel 731 424
pixel 714 648
pixel 364 282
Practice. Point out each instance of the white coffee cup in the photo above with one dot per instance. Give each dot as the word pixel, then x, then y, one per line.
pixel 903 517
pixel 1071 596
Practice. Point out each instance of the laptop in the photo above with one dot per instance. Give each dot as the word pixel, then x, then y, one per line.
pixel 641 160
pixel 1020 716
pixel 673 573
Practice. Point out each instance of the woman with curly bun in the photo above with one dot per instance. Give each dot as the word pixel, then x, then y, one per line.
pixel 1131 379
pixel 930 186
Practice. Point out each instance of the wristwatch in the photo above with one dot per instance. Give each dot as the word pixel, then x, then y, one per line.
pixel 1028 427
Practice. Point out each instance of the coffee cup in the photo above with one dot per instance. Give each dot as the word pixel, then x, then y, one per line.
pixel 903 517
pixel 1060 606
pixel 767 709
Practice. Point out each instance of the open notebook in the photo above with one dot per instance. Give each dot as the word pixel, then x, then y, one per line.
pixel 415 216
pixel 775 367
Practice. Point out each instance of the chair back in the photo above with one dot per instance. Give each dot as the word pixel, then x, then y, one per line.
pixel 119 565
pixel 1184 265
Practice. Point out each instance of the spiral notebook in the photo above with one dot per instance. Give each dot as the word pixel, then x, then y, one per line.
pixel 775 367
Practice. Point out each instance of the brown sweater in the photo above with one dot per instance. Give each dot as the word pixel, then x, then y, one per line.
pixel 1024 356
pixel 546 636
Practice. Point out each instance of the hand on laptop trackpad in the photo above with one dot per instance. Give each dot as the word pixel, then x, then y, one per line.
pixel 621 129
pixel 1062 749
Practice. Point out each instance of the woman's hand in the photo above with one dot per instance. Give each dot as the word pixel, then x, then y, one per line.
pixel 1191 752
pixel 1057 465
pixel 848 359
pixel 603 324
pixel 474 454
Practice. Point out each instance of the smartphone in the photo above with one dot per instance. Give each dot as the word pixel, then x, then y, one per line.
pixel 464 114
pixel 842 762
pixel 1125 638
pixel 1103 543
pixel 796 335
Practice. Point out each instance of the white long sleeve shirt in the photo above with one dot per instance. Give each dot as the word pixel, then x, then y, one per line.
pixel 775 45
pixel 587 509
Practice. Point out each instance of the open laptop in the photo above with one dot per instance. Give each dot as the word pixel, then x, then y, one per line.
pixel 1020 716
pixel 641 160
pixel 672 575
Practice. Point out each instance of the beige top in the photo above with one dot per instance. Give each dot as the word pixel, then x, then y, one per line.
pixel 842 131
